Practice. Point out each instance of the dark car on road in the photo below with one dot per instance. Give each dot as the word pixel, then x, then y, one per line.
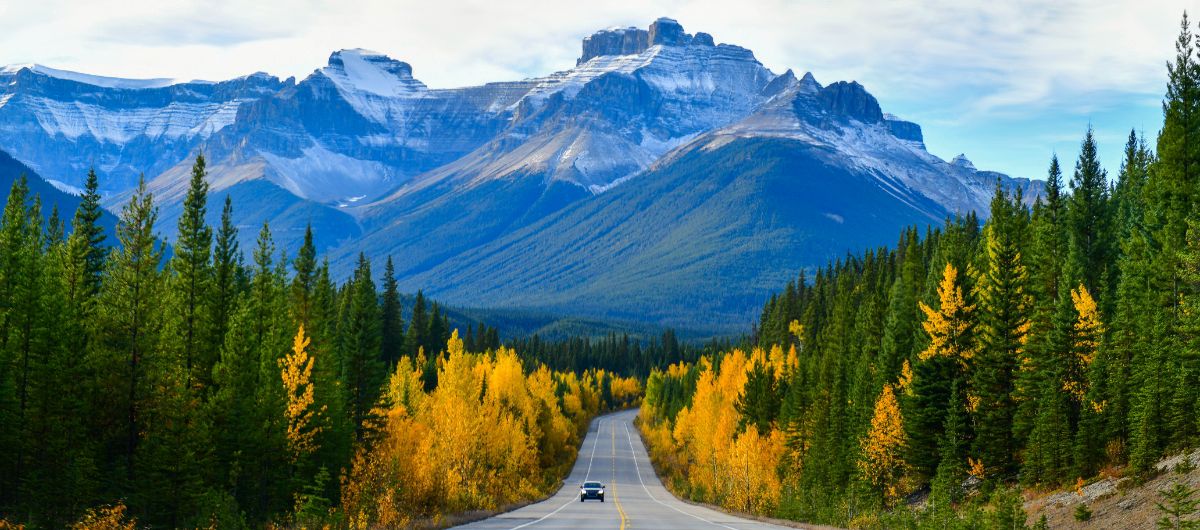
pixel 591 490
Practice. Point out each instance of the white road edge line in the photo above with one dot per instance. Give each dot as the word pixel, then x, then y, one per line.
pixel 639 474
pixel 599 424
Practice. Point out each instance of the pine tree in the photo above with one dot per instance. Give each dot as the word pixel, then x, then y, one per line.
pixel 86 245
pixel 227 268
pixel 128 326
pixel 946 488
pixel 393 323
pixel 1045 344
pixel 418 326
pixel 760 399
pixel 193 277
pixel 1089 220
pixel 362 371
pixel 1003 327
pixel 21 348
pixel 303 283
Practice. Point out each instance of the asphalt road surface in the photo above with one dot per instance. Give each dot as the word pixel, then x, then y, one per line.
pixel 612 453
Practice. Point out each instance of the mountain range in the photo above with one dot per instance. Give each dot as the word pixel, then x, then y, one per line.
pixel 664 179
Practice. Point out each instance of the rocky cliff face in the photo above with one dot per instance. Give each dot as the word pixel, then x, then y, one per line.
pixel 61 123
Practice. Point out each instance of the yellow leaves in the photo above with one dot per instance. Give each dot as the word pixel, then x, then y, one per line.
pixel 1088 330
pixel 296 373
pixel 975 468
pixel 973 401
pixel 906 378
pixel 1079 486
pixel 1088 327
pixel 490 434
pixel 796 329
pixel 752 483
pixel 738 471
pixel 106 518
pixel 949 325
pixel 882 461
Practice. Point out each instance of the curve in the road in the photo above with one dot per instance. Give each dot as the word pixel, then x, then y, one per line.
pixel 639 499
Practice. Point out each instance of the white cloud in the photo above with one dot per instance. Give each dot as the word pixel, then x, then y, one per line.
pixel 941 61
pixel 900 48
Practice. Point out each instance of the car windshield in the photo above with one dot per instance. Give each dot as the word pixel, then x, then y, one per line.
pixel 592 485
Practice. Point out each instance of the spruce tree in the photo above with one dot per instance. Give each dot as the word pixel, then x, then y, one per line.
pixel 227 268
pixel 303 283
pixel 127 325
pixel 1089 220
pixel 418 326
pixel 193 278
pixel 393 323
pixel 86 245
pixel 1003 326
pixel 362 371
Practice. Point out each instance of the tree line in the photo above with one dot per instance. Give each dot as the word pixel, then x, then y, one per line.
pixel 1034 349
pixel 202 390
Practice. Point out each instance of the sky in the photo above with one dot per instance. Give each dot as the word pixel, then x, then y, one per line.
pixel 1008 83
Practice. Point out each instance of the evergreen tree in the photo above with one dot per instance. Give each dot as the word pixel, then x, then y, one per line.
pixel 1089 221
pixel 227 268
pixel 193 276
pixel 418 326
pixel 393 324
pixel 1003 325
pixel 362 371
pixel 86 245
pixel 127 327
pixel 303 283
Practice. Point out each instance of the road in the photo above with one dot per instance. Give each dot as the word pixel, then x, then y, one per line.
pixel 613 453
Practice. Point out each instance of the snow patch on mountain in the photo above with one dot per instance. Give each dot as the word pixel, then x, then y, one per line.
pixel 324 176
pixel 74 119
pixel 375 85
pixel 97 80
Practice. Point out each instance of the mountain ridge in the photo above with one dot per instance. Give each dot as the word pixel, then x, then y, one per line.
pixel 443 178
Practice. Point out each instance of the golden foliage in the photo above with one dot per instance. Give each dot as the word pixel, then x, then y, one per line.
pixel 296 372
pixel 796 329
pixel 975 468
pixel 906 378
pixel 106 518
pixel 738 470
pixel 949 326
pixel 490 434
pixel 882 462
pixel 1088 330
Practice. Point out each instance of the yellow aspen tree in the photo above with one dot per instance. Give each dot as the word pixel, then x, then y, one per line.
pixel 906 378
pixel 882 462
pixel 950 325
pixel 1088 330
pixel 106 518
pixel 296 372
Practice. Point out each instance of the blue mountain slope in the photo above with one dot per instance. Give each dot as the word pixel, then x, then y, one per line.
pixel 697 243
pixel 11 170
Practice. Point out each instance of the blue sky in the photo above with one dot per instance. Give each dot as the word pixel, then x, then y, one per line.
pixel 1007 83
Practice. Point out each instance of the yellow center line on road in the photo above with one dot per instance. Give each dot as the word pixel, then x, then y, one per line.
pixel 616 499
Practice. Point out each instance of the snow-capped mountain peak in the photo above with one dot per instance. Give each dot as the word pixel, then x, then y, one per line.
pixel 372 72
pixel 96 80
pixel 962 162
